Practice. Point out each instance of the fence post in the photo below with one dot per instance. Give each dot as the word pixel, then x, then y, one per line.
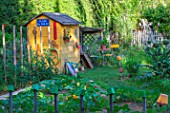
pixel 54 91
pixel 35 88
pixel 10 89
pixel 21 55
pixel 110 92
pixel 21 45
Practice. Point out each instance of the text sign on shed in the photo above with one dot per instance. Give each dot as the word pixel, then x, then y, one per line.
pixel 43 22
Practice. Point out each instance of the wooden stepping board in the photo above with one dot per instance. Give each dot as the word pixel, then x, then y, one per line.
pixel 86 60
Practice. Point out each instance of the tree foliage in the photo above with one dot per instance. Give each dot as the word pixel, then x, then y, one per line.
pixel 114 15
pixel 160 17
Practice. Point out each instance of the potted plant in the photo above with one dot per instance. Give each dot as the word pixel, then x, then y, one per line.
pixel 67 37
pixel 104 42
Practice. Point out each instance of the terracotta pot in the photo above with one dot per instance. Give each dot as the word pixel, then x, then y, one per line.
pixel 103 47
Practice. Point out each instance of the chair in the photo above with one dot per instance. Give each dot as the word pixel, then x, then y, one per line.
pixel 110 55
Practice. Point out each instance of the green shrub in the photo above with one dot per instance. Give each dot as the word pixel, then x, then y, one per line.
pixel 131 62
pixel 160 62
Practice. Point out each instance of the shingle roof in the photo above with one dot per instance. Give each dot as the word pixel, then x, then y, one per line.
pixel 59 17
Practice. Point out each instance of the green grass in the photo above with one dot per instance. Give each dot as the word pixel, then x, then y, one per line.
pixel 108 76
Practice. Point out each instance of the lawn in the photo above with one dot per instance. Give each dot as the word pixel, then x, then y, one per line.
pixel 109 76
pixel 127 88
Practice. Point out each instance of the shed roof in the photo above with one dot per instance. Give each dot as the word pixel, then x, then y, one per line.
pixel 90 30
pixel 59 17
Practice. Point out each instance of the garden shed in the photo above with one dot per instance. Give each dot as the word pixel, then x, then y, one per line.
pixel 56 31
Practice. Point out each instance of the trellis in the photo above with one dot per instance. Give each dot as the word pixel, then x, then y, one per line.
pixel 90 37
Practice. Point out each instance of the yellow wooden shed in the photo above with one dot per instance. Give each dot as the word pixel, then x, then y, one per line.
pixel 57 31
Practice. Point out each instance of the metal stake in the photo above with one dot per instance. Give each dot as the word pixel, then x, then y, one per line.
pixel 56 103
pixel 81 104
pixel 35 101
pixel 10 101
pixel 144 105
pixel 111 104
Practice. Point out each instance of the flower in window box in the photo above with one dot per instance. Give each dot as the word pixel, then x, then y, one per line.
pixel 67 37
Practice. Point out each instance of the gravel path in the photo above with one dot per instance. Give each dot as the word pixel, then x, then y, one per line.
pixel 5 96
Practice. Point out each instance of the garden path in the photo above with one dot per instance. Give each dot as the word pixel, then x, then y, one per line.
pixel 5 96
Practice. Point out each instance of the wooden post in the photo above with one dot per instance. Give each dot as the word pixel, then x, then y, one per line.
pixel 21 46
pixel 82 41
pixel 28 47
pixel 41 43
pixel 4 50
pixel 49 37
pixel 21 52
pixel 14 45
pixel 14 51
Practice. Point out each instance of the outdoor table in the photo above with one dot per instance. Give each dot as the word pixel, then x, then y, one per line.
pixel 103 52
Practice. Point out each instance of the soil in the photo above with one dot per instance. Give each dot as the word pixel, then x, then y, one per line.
pixel 133 106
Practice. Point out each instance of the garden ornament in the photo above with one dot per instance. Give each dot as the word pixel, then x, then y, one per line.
pixel 54 91
pixel 110 92
pixel 10 89
pixel 35 88
pixel 162 100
